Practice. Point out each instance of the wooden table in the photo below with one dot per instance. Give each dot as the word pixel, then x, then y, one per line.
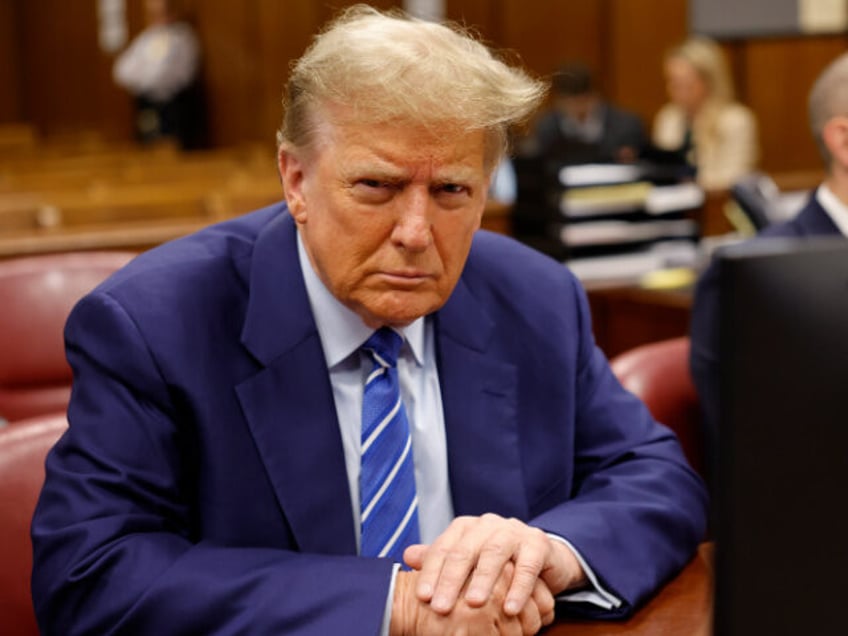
pixel 682 608
pixel 626 317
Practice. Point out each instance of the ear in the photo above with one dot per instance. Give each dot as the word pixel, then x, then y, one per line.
pixel 835 136
pixel 292 176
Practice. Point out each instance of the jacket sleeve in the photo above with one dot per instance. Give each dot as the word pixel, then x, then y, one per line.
pixel 637 511
pixel 704 353
pixel 116 547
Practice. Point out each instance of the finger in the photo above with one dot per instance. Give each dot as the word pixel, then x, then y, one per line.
pixel 495 553
pixel 489 533
pixel 434 558
pixel 544 601
pixel 522 625
pixel 539 610
pixel 532 557
pixel 413 556
pixel 457 566
pixel 530 619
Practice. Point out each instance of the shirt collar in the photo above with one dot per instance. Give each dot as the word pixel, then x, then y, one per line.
pixel 342 332
pixel 835 208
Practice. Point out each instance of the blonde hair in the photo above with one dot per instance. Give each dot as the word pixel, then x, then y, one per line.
pixel 709 61
pixel 828 99
pixel 389 66
pixel 707 58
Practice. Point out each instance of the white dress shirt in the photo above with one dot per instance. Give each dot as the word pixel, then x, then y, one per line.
pixel 835 208
pixel 160 62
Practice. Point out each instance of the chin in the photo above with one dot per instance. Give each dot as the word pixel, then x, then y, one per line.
pixel 401 312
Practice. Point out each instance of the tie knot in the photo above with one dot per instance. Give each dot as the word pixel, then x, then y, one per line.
pixel 384 346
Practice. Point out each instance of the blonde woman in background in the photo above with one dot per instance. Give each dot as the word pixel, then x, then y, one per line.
pixel 703 120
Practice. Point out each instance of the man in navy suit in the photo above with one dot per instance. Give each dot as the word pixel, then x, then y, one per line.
pixel 209 479
pixel 824 214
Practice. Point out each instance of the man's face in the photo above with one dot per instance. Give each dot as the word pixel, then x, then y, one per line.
pixel 387 213
pixel 577 107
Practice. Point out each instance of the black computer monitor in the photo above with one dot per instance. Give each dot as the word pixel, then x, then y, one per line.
pixel 781 496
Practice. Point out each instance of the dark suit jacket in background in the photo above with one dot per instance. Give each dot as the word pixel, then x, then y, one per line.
pixel 620 129
pixel 201 486
pixel 811 221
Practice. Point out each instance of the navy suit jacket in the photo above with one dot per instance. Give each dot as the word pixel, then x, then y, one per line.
pixel 201 485
pixel 811 221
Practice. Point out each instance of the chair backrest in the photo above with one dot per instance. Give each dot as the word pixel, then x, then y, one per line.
pixel 36 295
pixel 658 374
pixel 23 448
pixel 757 195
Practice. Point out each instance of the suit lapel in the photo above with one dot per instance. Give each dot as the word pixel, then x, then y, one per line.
pixel 813 220
pixel 289 404
pixel 479 395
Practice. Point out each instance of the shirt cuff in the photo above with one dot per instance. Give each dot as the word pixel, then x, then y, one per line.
pixel 387 613
pixel 597 596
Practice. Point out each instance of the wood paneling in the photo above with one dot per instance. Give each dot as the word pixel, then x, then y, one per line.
pixel 780 73
pixel 67 79
pixel 11 106
pixel 230 69
pixel 640 33
pixel 248 47
pixel 626 317
pixel 482 16
pixel 50 49
pixel 547 34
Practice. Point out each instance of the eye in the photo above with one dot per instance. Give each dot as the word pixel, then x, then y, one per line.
pixel 453 189
pixel 370 190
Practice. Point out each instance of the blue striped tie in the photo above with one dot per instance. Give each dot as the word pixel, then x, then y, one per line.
pixel 388 503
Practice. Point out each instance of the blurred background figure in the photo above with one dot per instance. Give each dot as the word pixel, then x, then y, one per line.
pixel 504 186
pixel 582 127
pixel 161 68
pixel 702 121
pixel 825 213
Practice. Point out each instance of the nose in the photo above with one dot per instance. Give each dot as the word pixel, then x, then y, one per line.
pixel 412 229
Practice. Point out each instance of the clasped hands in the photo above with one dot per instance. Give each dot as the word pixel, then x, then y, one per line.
pixel 483 575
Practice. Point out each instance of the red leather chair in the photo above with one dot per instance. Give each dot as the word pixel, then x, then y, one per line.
pixel 36 296
pixel 658 373
pixel 23 448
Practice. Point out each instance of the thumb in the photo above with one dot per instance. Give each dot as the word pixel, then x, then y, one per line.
pixel 413 556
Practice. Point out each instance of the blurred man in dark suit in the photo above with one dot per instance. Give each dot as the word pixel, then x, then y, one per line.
pixel 825 214
pixel 584 128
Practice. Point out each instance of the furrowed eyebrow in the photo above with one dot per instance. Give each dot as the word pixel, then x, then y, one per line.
pixel 455 174
pixel 373 170
pixel 390 173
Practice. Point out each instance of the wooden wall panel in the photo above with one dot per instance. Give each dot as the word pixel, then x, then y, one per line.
pixel 11 104
pixel 67 78
pixel 248 47
pixel 285 31
pixel 548 33
pixel 484 17
pixel 226 32
pixel 641 31
pixel 779 74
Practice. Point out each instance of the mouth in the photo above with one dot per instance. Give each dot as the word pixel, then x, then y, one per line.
pixel 406 278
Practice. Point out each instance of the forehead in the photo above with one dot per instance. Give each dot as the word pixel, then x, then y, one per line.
pixel 681 68
pixel 399 142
